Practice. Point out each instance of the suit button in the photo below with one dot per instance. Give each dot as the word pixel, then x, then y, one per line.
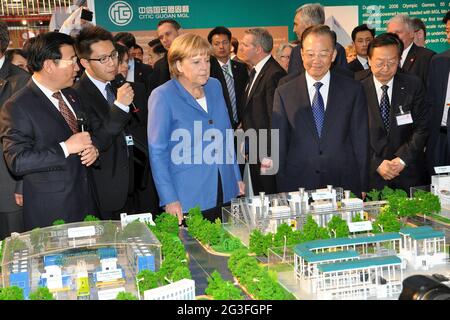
pixel 320 153
pixel 210 122
pixel 213 137
pixel 317 171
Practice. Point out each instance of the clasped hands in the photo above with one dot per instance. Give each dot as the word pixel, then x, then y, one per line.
pixel 81 144
pixel 389 170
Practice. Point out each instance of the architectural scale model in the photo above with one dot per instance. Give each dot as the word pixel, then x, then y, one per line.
pixel 180 290
pixel 87 260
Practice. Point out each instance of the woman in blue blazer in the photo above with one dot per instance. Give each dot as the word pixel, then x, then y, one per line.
pixel 189 135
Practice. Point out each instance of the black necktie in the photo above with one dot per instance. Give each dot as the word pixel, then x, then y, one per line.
pixel 385 107
pixel 250 81
pixel 110 95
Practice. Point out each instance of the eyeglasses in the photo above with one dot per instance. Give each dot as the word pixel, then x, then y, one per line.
pixel 388 63
pixel 69 62
pixel 105 59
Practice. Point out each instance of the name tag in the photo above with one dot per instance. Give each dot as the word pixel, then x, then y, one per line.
pixel 129 140
pixel 404 118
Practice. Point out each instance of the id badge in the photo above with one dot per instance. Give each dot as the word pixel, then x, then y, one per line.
pixel 404 118
pixel 129 140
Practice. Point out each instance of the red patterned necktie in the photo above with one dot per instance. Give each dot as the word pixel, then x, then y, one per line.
pixel 66 113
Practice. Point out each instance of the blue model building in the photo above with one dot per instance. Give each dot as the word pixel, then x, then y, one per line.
pixel 19 273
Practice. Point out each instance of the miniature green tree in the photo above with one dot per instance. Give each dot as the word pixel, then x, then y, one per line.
pixel 126 296
pixel 284 233
pixel 58 222
pixel 213 232
pixel 181 272
pixel 146 280
pixel 357 218
pixel 260 243
pixel 166 222
pixel 338 227
pixel 235 258
pixel 11 293
pixel 14 245
pixel 312 231
pixel 90 218
pixel 427 202
pixel 133 229
pixel 386 221
pixel 231 244
pixel 220 289
pixel 42 293
pixel 374 195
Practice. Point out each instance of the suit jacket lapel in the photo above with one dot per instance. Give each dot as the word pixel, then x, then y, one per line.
pixel 188 98
pixel 376 124
pixel 410 58
pixel 305 105
pixel 258 79
pixel 49 106
pixel 101 104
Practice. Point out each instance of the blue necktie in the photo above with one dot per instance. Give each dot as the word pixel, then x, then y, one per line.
pixel 110 95
pixel 230 85
pixel 318 108
pixel 385 107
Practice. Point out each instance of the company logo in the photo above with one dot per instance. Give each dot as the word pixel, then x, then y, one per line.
pixel 120 13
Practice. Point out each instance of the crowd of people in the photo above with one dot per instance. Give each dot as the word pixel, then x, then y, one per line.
pixel 86 127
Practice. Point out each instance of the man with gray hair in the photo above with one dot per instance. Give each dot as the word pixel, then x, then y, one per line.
pixel 310 14
pixel 12 79
pixel 255 49
pixel 415 59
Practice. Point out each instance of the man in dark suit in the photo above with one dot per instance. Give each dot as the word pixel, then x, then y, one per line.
pixel 137 70
pixel 12 79
pixel 438 98
pixel 232 75
pixel 255 49
pixel 322 122
pixel 41 142
pixel 414 59
pixel 99 57
pixel 168 30
pixel 310 14
pixel 398 119
pixel 361 36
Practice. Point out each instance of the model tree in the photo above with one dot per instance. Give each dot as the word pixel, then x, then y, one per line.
pixel 312 231
pixel 374 195
pixel 260 243
pixel 338 227
pixel 126 296
pixel 11 293
pixel 59 222
pixel 220 289
pixel 181 272
pixel 90 218
pixel 427 202
pixel 42 293
pixel 167 223
pixel 386 221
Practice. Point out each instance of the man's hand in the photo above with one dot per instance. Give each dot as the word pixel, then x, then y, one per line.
pixel 78 142
pixel 397 165
pixel 175 209
pixel 89 155
pixel 387 170
pixel 125 94
pixel 19 199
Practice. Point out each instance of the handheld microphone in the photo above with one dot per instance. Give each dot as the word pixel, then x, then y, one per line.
pixel 82 122
pixel 119 81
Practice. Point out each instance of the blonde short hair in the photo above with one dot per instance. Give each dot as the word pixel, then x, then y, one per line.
pixel 186 46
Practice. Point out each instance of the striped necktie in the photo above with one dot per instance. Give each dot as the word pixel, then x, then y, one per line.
pixel 318 108
pixel 230 85
pixel 66 113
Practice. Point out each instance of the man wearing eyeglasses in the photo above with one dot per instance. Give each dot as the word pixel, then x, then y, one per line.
pixel 398 118
pixel 112 176
pixel 321 117
pixel 41 139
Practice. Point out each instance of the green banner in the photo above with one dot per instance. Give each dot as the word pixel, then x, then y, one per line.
pixel 143 15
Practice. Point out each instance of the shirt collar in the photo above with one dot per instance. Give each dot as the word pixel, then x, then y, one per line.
pixel 261 64
pixel 310 81
pixel 131 63
pixel 406 51
pixel 99 84
pixel 378 84
pixel 362 60
pixel 222 64
pixel 2 61
pixel 48 93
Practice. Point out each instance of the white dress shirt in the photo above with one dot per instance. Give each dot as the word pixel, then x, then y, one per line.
pixel 379 91
pixel 202 103
pixel 230 72
pixel 405 54
pixel 258 69
pixel 446 104
pixel 324 89
pixel 2 61
pixel 363 61
pixel 101 86
pixel 49 94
